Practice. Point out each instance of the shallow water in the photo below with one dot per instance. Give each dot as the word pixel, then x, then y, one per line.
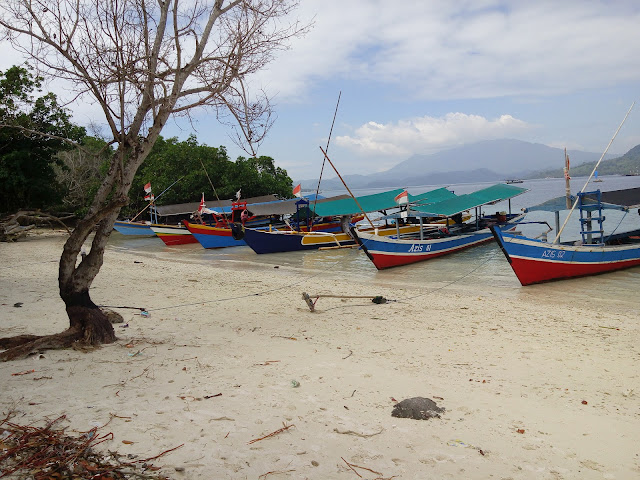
pixel 478 271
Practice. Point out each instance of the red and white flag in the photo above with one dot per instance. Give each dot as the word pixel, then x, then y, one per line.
pixel 402 198
pixel 297 191
pixel 202 205
pixel 147 187
pixel 150 198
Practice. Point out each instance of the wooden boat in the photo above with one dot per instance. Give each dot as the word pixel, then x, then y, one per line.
pixel 263 241
pixel 434 239
pixel 173 234
pixel 166 220
pixel 229 232
pixel 535 261
pixel 141 229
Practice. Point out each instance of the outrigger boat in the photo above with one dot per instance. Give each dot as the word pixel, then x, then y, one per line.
pixel 433 239
pixel 229 231
pixel 534 260
pixel 350 209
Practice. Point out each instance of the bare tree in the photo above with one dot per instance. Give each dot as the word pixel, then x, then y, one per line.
pixel 141 62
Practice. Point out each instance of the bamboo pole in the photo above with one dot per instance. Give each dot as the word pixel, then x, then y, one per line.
pixel 567 179
pixel 592 172
pixel 345 186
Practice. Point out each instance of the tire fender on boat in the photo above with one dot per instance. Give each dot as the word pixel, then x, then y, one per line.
pixel 237 231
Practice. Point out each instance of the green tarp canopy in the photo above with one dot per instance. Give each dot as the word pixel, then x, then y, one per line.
pixel 493 194
pixel 433 196
pixel 369 203
pixel 378 202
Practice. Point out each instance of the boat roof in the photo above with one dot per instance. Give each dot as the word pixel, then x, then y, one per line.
pixel 432 196
pixel 614 200
pixel 285 207
pixel 628 198
pixel 378 202
pixel 460 203
pixel 369 203
pixel 187 208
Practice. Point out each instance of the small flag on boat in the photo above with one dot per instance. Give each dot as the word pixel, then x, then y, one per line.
pixel 202 205
pixel 238 194
pixel 297 191
pixel 402 198
pixel 147 187
pixel 149 198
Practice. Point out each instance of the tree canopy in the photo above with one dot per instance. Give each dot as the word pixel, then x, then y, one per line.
pixel 34 129
pixel 183 170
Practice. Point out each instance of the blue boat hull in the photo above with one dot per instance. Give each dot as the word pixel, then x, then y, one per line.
pixel 264 241
pixel 132 228
pixel 213 237
pixel 535 261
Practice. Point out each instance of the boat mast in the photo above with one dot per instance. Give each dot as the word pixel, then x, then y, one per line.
pixel 315 200
pixel 567 179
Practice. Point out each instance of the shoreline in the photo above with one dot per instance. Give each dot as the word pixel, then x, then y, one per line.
pixel 498 364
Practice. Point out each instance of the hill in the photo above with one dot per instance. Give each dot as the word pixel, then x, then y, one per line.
pixel 627 164
pixel 488 161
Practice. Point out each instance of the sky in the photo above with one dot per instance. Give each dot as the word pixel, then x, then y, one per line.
pixel 421 77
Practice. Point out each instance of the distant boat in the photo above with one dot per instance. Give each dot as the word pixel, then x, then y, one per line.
pixel 513 180
pixel 596 175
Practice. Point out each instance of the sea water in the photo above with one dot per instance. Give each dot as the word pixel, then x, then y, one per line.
pixel 476 271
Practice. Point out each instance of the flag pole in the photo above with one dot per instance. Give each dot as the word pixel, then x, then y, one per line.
pixel 151 203
pixel 345 186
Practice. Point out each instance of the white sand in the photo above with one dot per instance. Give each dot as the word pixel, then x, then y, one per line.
pixel 512 373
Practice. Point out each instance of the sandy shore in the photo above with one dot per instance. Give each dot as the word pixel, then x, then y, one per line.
pixel 533 388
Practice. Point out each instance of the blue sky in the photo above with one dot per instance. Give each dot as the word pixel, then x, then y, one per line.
pixel 419 77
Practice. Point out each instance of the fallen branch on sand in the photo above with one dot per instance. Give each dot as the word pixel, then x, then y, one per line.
pixel 286 427
pixel 46 452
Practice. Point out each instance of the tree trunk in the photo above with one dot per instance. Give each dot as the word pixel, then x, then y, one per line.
pixel 88 325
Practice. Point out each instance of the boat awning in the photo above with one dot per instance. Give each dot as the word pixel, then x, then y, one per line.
pixel 369 203
pixel 628 198
pixel 552 205
pixel 217 205
pixel 460 203
pixel 286 207
pixel 613 200
pixel 433 196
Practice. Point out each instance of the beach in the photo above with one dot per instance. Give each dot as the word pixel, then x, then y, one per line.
pixel 232 366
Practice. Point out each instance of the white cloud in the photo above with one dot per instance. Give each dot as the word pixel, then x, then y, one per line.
pixel 428 134
pixel 450 50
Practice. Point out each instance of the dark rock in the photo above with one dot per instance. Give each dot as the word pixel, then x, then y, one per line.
pixel 417 408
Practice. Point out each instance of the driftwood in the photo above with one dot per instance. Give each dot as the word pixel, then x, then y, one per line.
pixel 16 226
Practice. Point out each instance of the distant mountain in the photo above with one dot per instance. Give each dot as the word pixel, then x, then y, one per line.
pixel 488 161
pixel 627 164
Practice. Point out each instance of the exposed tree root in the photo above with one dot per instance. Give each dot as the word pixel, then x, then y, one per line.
pixel 92 327
pixel 57 341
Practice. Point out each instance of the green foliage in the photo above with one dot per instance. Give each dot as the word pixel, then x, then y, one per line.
pixel 189 163
pixel 27 178
pixel 258 176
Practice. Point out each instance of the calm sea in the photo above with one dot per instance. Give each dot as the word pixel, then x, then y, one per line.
pixel 480 270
